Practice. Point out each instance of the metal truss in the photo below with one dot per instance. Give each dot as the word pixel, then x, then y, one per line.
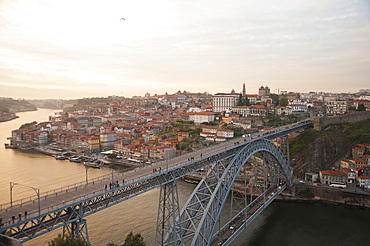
pixel 77 229
pixel 200 214
pixel 168 211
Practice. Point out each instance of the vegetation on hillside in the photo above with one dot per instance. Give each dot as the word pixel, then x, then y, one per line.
pixel 301 141
pixel 131 240
pixel 355 132
pixel 10 104
pixel 67 240
pixel 28 124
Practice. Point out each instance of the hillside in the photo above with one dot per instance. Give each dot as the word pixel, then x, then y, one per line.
pixel 11 105
pixel 313 151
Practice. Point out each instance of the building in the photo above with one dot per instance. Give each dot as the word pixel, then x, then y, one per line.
pixel 253 110
pixel 89 121
pixel 347 164
pixel 263 91
pixel 351 175
pixel 328 177
pixel 214 134
pixel 359 162
pixel 199 117
pixel 222 102
pixel 357 153
pixel 336 107
pixel 107 140
pixel 364 182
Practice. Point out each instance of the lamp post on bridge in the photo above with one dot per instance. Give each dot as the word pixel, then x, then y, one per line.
pixel 12 184
pixel 86 167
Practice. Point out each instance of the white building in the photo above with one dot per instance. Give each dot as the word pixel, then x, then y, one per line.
pixel 200 117
pixel 224 101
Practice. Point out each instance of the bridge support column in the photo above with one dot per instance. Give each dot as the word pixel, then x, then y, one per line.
pixel 168 211
pixel 77 229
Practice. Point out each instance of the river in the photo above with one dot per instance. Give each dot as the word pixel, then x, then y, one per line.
pixel 280 224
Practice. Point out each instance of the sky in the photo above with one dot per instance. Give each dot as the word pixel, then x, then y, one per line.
pixel 76 48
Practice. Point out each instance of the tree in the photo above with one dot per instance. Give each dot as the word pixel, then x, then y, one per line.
pixel 67 240
pixel 283 101
pixel 246 101
pixel 112 155
pixel 134 240
pixel 361 107
pixel 275 98
pixel 240 102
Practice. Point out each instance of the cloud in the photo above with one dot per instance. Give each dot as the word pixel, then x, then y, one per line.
pixel 201 46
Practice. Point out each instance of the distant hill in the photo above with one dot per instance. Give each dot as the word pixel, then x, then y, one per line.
pixel 11 105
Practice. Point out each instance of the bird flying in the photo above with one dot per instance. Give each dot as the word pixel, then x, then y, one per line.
pixel 123 19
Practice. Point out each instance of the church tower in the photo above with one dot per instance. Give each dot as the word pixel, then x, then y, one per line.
pixel 244 90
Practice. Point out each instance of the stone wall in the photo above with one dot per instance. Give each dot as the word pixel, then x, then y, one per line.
pixel 332 195
pixel 321 122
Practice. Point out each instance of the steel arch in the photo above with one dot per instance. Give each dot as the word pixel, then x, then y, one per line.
pixel 200 214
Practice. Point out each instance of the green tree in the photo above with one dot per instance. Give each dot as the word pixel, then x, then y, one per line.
pixel 112 156
pixel 112 244
pixel 361 107
pixel 246 101
pixel 67 241
pixel 275 98
pixel 134 240
pixel 240 102
pixel 283 101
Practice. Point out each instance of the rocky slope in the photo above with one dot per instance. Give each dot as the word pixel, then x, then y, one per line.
pixel 313 151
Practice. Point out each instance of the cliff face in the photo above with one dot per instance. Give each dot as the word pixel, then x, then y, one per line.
pixel 321 150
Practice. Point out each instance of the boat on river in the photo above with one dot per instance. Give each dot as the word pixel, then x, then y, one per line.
pixel 10 146
pixel 60 157
pixel 94 164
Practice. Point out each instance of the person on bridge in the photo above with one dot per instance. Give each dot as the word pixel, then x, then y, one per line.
pixel 13 218
pixel 25 214
pixel 123 181
pixel 1 222
pixel 20 216
pixel 110 186
pixel 117 184
pixel 106 187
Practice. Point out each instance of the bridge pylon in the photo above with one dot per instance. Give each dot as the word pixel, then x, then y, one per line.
pixel 77 229
pixel 168 212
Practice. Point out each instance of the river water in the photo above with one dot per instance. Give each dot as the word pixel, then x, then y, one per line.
pixel 280 224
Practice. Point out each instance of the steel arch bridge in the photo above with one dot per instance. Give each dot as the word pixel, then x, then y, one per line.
pixel 196 223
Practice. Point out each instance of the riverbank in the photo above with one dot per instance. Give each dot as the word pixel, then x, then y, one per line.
pixel 320 203
pixel 4 119
pixel 107 161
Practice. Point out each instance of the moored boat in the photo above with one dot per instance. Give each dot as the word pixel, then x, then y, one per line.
pixel 60 157
pixel 94 164
pixel 10 146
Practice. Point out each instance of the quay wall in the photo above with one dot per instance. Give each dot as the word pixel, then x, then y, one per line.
pixel 321 122
pixel 329 194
